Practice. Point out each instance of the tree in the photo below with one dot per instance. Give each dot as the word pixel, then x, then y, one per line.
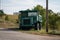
pixel 6 18
pixel 53 18
pixel 42 12
pixel 1 13
pixel 50 11
pixel 39 8
pixel 52 21
pixel 58 13
pixel 28 10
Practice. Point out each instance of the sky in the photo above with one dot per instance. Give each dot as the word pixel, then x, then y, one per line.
pixel 11 6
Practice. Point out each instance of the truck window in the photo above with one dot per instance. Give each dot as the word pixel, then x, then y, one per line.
pixel 32 14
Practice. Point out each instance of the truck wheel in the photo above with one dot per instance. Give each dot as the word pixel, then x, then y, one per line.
pixel 37 26
pixel 20 27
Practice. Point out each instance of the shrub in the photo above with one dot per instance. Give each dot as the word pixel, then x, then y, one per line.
pixel 6 18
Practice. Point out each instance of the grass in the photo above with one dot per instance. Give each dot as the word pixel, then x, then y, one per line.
pixel 54 32
pixel 9 24
pixel 41 32
pixel 32 31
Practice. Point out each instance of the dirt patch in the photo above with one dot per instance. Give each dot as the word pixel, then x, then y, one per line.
pixel 8 25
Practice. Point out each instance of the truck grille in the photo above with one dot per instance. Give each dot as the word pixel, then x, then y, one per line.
pixel 26 21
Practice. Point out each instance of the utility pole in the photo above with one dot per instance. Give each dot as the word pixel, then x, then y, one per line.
pixel 46 15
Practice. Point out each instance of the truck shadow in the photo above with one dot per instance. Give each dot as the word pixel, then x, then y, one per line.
pixel 18 29
pixel 14 29
pixel 9 29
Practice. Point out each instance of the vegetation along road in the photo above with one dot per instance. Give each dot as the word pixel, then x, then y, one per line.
pixel 14 35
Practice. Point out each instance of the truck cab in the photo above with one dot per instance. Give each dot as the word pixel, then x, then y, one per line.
pixel 28 18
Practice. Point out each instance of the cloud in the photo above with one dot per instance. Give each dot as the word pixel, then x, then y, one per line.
pixel 54 5
pixel 10 6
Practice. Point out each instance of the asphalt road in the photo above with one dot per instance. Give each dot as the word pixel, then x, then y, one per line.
pixel 14 35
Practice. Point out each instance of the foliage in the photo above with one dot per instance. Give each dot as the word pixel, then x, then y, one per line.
pixel 42 12
pixel 53 17
pixel 39 9
pixel 6 18
pixel 1 13
pixel 54 32
pixel 52 21
pixel 50 11
pixel 17 21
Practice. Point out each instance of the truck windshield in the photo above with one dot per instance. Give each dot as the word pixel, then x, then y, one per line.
pixel 32 14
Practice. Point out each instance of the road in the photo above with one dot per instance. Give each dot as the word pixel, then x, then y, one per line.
pixel 14 35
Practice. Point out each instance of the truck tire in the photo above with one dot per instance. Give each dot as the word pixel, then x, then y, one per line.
pixel 36 26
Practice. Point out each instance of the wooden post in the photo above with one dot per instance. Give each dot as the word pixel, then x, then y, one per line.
pixel 46 15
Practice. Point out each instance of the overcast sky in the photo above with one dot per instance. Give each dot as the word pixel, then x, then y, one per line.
pixel 10 6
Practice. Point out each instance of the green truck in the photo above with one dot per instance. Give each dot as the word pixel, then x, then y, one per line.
pixel 29 19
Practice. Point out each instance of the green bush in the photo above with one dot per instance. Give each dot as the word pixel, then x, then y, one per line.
pixel 6 18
